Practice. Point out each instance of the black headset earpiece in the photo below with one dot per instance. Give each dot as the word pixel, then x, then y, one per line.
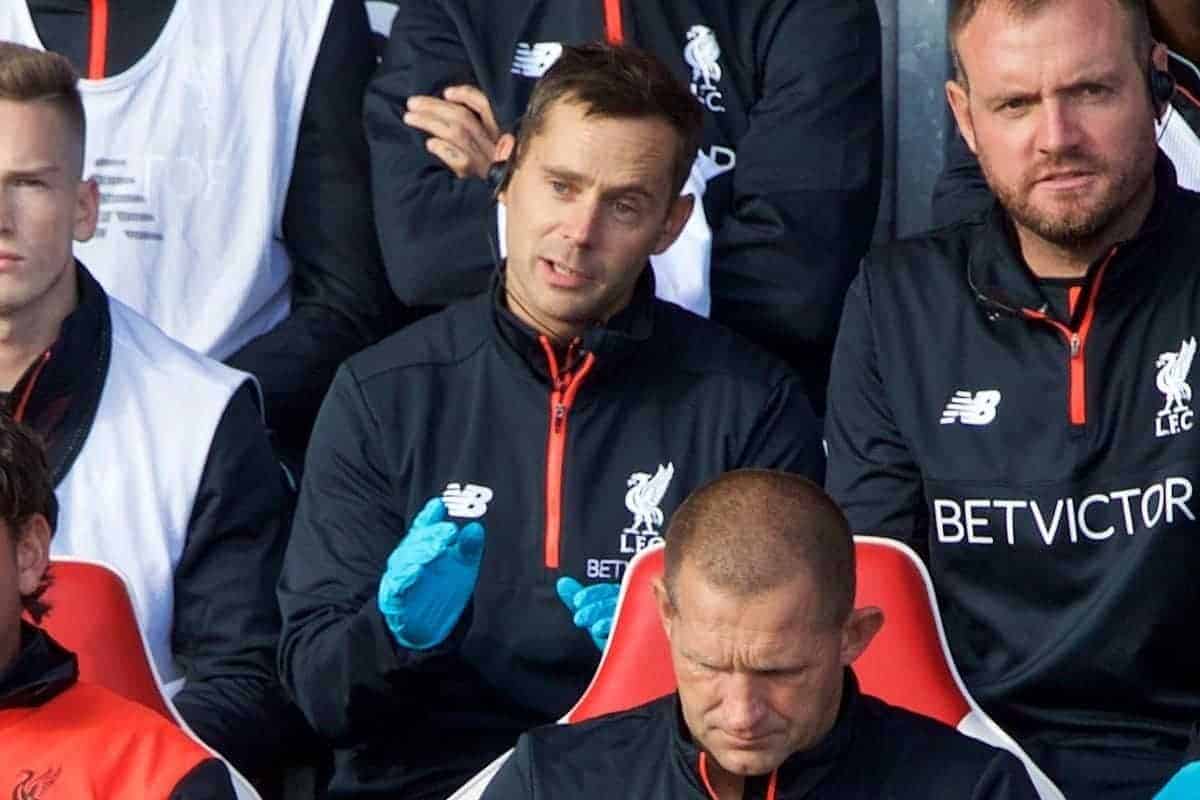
pixel 1162 89
pixel 498 175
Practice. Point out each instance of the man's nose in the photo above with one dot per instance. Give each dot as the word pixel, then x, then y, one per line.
pixel 745 707
pixel 1059 127
pixel 582 221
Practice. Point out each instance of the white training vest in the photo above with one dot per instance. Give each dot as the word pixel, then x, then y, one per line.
pixel 127 499
pixel 193 148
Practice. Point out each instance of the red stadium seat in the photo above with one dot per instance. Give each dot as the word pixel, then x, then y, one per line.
pixel 908 664
pixel 91 614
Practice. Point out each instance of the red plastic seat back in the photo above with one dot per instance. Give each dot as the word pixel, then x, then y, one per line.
pixel 905 664
pixel 636 666
pixel 92 615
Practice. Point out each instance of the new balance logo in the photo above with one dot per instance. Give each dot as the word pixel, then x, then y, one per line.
pixel 532 60
pixel 971 409
pixel 466 502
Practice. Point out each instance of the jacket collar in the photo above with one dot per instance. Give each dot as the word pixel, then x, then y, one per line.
pixel 612 344
pixel 60 392
pixel 1003 284
pixel 799 775
pixel 42 670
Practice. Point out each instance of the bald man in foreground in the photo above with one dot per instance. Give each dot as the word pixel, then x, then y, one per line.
pixel 757 600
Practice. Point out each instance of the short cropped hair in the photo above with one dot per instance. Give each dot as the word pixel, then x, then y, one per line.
pixel 620 82
pixel 963 11
pixel 752 530
pixel 35 76
pixel 25 490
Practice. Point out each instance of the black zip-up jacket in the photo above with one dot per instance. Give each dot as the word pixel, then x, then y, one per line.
pixel 874 752
pixel 555 453
pixel 340 302
pixel 43 671
pixel 1050 467
pixel 796 111
pixel 226 618
pixel 961 190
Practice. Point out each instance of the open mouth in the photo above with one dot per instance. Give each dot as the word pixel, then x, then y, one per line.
pixel 562 270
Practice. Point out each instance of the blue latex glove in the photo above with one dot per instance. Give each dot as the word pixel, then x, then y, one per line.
pixel 1184 786
pixel 592 608
pixel 430 577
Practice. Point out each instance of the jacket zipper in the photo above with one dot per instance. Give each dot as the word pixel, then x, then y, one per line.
pixel 614 29
pixel 562 397
pixel 1076 340
pixel 772 784
pixel 98 40
pixel 23 403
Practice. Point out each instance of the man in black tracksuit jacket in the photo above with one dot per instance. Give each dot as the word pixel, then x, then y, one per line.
pixel 791 150
pixel 567 411
pixel 1036 436
pixel 463 401
pixel 874 751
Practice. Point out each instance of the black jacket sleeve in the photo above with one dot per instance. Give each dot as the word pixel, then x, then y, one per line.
pixel 433 226
pixel 337 657
pixel 870 472
pixel 208 780
pixel 226 617
pixel 961 190
pixel 514 781
pixel 1005 778
pixel 806 186
pixel 340 298
pixel 786 435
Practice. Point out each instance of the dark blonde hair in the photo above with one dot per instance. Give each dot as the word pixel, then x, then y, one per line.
pixel 752 530
pixel 35 76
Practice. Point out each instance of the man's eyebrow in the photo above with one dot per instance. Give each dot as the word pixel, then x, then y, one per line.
pixel 35 171
pixel 570 176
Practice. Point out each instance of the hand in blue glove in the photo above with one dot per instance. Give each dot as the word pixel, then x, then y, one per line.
pixel 1184 786
pixel 430 577
pixel 592 608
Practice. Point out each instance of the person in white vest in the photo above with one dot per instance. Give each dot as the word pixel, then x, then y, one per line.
pixel 160 460
pixel 235 209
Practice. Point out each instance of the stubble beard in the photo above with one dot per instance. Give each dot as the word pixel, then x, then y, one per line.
pixel 1081 224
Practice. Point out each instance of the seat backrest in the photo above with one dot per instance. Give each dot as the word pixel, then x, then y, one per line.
pixel 905 665
pixel 636 665
pixel 908 664
pixel 92 615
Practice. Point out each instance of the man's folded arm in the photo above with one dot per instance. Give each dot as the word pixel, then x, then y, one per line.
pixel 433 226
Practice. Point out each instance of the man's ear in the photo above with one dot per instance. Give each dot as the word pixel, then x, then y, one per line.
pixel 506 145
pixel 33 553
pixel 858 631
pixel 662 600
pixel 87 210
pixel 677 217
pixel 1160 57
pixel 959 98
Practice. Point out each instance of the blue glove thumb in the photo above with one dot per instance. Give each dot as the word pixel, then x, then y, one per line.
pixel 430 578
pixel 592 608
pixel 1184 786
